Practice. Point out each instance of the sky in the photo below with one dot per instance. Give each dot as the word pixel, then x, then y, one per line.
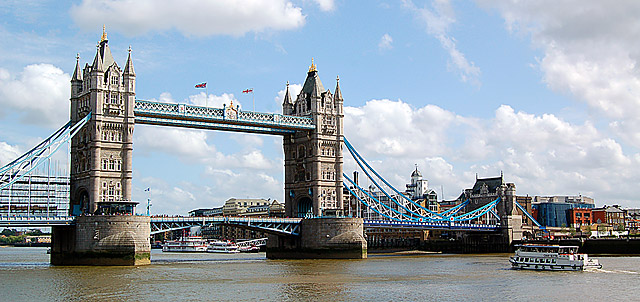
pixel 546 92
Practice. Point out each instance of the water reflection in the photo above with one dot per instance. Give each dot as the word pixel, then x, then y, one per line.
pixel 26 276
pixel 315 279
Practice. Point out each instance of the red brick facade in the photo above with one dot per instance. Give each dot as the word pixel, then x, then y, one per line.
pixel 580 216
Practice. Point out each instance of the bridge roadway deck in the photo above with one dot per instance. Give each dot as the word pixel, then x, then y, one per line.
pixel 282 226
pixel 35 221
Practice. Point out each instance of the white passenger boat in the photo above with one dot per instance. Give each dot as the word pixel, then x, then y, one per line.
pixel 217 246
pixel 249 249
pixel 551 258
pixel 186 244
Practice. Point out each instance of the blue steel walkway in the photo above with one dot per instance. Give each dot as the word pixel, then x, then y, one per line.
pixel 228 118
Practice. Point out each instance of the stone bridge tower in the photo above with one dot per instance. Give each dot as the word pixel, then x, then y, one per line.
pixel 101 152
pixel 313 160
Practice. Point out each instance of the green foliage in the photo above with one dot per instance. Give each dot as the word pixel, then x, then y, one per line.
pixel 8 232
pixel 34 232
pixel 11 239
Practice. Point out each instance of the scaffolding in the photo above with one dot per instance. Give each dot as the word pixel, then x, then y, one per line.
pixel 36 195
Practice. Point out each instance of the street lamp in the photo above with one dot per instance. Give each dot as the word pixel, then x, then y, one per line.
pixel 148 200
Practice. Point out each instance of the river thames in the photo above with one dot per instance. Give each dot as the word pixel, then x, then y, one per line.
pixel 27 276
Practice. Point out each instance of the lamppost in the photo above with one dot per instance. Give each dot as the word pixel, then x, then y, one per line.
pixel 148 200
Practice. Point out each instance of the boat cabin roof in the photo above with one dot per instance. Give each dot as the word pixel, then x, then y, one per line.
pixel 548 248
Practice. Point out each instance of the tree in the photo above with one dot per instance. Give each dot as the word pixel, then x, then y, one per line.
pixel 8 232
pixel 34 232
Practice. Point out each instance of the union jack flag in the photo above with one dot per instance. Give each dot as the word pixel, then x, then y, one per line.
pixel 202 85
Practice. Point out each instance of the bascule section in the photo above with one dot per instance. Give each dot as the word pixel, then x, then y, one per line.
pixel 313 159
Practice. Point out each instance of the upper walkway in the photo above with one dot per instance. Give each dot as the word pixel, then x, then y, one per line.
pixel 227 119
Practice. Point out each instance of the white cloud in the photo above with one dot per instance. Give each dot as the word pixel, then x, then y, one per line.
pixel 294 90
pixel 190 17
pixel 590 52
pixel 397 129
pixel 385 42
pixel 438 20
pixel 185 143
pixel 212 100
pixel 326 5
pixel 8 153
pixel 38 95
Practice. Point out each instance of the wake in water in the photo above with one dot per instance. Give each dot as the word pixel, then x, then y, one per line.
pixel 617 272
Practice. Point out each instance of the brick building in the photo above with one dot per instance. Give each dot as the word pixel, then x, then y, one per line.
pixel 578 217
pixel 611 215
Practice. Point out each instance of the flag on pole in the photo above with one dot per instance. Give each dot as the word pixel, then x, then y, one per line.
pixel 202 85
pixel 248 90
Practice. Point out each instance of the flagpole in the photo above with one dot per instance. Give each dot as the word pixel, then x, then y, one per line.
pixel 206 95
pixel 253 99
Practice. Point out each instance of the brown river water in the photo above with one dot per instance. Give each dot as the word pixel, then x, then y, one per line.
pixel 25 275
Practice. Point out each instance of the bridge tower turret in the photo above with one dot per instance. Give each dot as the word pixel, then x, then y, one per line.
pixel 101 153
pixel 313 160
pixel 101 169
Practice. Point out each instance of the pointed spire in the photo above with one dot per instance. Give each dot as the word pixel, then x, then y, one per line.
pixel 338 94
pixel 312 85
pixel 312 68
pixel 287 96
pixel 104 33
pixel 77 74
pixel 128 67
pixel 97 61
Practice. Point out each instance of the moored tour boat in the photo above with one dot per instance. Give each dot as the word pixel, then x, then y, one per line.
pixel 249 249
pixel 552 258
pixel 217 246
pixel 186 244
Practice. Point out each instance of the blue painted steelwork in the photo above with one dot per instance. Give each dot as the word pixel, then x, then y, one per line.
pixel 360 160
pixel 35 221
pixel 226 119
pixel 388 212
pixel 479 212
pixel 374 208
pixel 433 225
pixel 528 215
pixel 456 209
pixel 26 163
pixel 281 226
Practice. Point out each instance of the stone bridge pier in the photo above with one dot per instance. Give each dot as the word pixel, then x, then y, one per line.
pixel 328 238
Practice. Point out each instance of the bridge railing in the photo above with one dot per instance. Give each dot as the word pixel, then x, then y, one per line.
pixel 429 225
pixel 35 221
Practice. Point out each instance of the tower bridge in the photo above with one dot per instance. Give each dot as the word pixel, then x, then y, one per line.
pixel 104 112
